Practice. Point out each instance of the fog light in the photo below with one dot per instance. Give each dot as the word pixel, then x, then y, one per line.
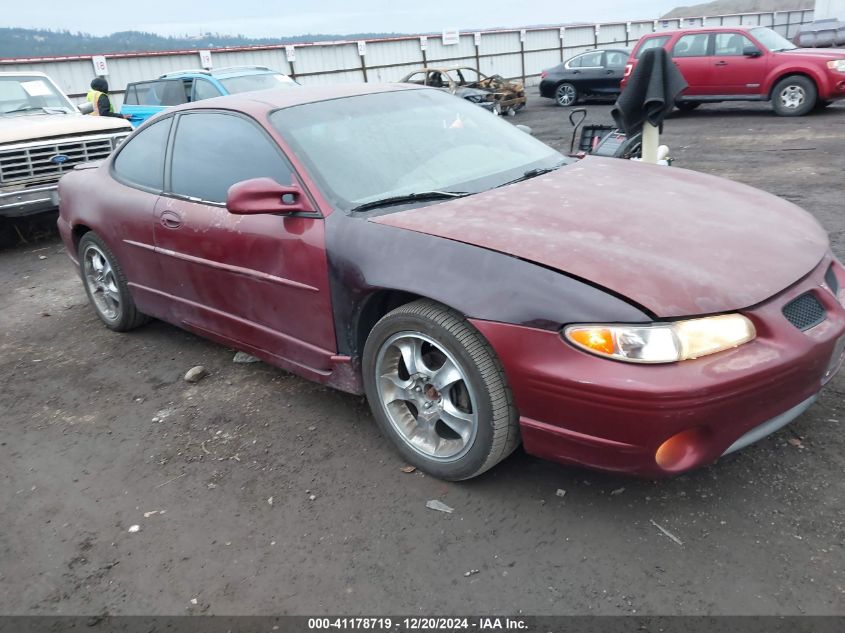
pixel 680 452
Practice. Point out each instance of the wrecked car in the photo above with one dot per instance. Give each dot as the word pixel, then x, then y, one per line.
pixel 481 289
pixel 493 93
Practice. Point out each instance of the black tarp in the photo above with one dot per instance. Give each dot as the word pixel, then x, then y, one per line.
pixel 650 93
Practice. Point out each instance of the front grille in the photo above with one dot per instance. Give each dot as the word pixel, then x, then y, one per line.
pixel 32 162
pixel 805 311
pixel 831 280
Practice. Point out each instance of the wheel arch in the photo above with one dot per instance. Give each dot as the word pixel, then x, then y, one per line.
pixel 376 305
pixel 780 75
pixel 77 231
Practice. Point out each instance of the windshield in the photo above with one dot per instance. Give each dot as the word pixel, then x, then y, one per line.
pixel 27 94
pixel 376 146
pixel 263 81
pixel 771 40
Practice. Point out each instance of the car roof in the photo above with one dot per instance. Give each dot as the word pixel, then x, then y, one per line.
pixel 23 73
pixel 444 68
pixel 231 71
pixel 705 29
pixel 262 101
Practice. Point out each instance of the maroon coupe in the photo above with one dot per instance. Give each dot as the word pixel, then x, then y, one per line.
pixel 482 289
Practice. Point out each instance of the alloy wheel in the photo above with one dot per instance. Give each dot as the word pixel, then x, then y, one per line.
pixel 566 95
pixel 101 282
pixel 426 395
pixel 793 97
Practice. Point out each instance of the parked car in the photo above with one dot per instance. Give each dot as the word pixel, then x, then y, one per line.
pixel 749 64
pixel 591 74
pixel 42 136
pixel 479 287
pixel 144 99
pixel 493 93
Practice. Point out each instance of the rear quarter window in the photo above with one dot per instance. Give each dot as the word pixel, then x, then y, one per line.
pixel 614 59
pixel 651 42
pixel 140 160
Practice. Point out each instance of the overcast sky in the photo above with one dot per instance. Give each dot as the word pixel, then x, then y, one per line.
pixel 265 18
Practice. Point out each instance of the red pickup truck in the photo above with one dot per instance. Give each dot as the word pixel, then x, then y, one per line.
pixel 749 64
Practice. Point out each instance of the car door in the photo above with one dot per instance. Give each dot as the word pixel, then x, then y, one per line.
pixel 138 169
pixel 587 72
pixel 614 68
pixel 691 54
pixel 734 72
pixel 145 99
pixel 258 282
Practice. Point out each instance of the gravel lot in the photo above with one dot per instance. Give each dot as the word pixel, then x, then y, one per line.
pixel 258 492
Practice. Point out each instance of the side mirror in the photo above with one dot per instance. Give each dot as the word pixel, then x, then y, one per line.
pixel 264 196
pixel 524 128
pixel 85 108
pixel 752 51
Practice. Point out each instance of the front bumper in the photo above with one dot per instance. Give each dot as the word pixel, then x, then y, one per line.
pixel 581 409
pixel 29 201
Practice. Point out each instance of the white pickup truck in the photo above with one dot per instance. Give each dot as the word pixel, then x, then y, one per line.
pixel 42 136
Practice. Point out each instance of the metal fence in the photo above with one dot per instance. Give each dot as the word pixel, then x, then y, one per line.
pixel 515 54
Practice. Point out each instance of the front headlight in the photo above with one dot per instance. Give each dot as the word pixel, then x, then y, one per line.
pixel 663 342
pixel 837 65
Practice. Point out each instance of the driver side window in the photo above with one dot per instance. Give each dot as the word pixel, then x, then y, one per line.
pixel 213 151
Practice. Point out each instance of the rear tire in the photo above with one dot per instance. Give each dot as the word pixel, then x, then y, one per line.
pixel 794 96
pixel 438 391
pixel 106 286
pixel 566 95
pixel 687 106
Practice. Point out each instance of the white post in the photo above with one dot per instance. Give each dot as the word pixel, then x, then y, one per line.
pixel 651 140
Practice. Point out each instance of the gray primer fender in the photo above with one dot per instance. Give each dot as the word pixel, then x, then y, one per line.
pixel 365 257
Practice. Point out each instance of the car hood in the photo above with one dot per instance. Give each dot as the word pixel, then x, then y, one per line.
pixel 676 242
pixel 33 127
pixel 823 53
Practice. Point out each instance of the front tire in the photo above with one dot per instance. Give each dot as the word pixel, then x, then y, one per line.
pixel 438 391
pixel 566 95
pixel 106 286
pixel 794 96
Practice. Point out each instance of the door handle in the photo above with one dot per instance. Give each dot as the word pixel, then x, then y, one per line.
pixel 722 63
pixel 171 220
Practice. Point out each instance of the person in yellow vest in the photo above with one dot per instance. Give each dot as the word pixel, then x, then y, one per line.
pixel 98 97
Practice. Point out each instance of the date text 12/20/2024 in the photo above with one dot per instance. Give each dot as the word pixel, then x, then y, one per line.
pixel 418 624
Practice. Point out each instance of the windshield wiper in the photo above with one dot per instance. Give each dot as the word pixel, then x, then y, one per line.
pixel 26 109
pixel 533 173
pixel 410 197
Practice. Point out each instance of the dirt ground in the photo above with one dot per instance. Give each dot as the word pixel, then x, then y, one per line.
pixel 256 492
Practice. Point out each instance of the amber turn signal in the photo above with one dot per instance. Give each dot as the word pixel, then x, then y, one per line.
pixel 596 339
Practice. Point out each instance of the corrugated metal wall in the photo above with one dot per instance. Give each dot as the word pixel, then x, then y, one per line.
pixel 519 53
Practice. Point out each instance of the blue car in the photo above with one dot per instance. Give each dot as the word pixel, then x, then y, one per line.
pixel 144 99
